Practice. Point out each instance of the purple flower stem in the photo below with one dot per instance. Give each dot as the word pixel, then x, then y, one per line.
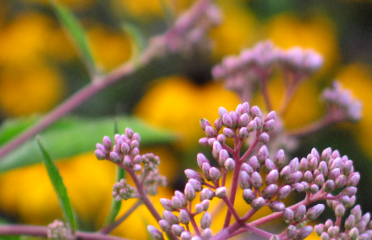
pixel 32 230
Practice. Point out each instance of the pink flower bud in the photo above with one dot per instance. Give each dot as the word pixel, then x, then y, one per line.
pixel 258 203
pixel 204 141
pixel 222 111
pixel 221 192
pixel 167 204
pixel 263 153
pixel 199 208
pixel 185 235
pixel 269 125
pixel 294 165
pixel 177 229
pixel 191 174
pixel 243 132
pixel 329 186
pixel 228 121
pixel 244 180
pixel 189 192
pixel 353 179
pixel 272 177
pixel 205 204
pixel 255 112
pixel 313 164
pixel 291 231
pixel 184 216
pixel 100 155
pixel 164 225
pixel 107 142
pixel 129 132
pixel 276 206
pixel 269 165
pixel 229 164
pixel 228 132
pixel 221 138
pixel 204 123
pixel 243 120
pixel 256 180
pixel 216 149
pixel 155 233
pixel 206 220
pixel 279 158
pixel 304 232
pixel 314 188
pixel 115 157
pixel 252 126
pixel 326 154
pixel 206 233
pixel 314 212
pixel 206 193
pixel 253 162
pixel 285 173
pixel 248 196
pixel 270 191
pixel 334 173
pixel 299 213
pixel 210 131
pixel 264 138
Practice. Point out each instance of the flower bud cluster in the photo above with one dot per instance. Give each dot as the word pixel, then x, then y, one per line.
pixel 152 181
pixel 57 231
pixel 177 216
pixel 258 62
pixel 238 124
pixel 356 226
pixel 122 190
pixel 341 99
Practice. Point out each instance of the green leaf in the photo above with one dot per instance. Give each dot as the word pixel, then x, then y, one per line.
pixel 58 186
pixel 76 33
pixel 75 135
pixel 115 205
pixel 137 40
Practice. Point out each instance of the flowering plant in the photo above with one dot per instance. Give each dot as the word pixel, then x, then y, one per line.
pixel 248 150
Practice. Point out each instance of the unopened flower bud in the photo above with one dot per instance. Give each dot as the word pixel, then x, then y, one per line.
pixel 137 167
pixel 264 138
pixel 199 208
pixel 272 177
pixel 205 204
pixel 167 204
pixel 223 155
pixel 243 120
pixel 205 168
pixel 256 180
pixel 263 153
pixel 129 133
pixel 269 165
pixel 252 126
pixel 247 168
pixel 243 132
pixel 164 225
pixel 258 203
pixel 221 192
pixel 244 180
pixel 177 229
pixel 253 162
pixel 228 132
pixel 255 112
pixel 314 212
pixel 170 217
pixel 350 222
pixel 291 231
pixel 228 121
pixel 248 196
pixel 319 180
pixel 353 179
pixel 214 173
pixel 299 213
pixel 196 185
pixel 329 186
pixel 217 147
pixel 189 192
pixel 107 142
pixel 295 177
pixel 115 157
pixel 222 111
pixel 357 212
pixel 270 191
pixel 340 181
pixel 324 236
pixel 304 164
pixel 206 220
pixel 314 188
pixel 340 210
pixel 279 158
pixel 155 233
pixel 268 126
pixel 354 233
pixel 206 193
pixel 200 158
pixel 218 124
pixel 304 232
pixel 176 202
pixel 185 235
pixel 276 206
pixel 204 123
pixel 221 138
pixel 206 234
pixel 283 192
pixel 184 216
pixel 285 173
pixel 349 191
pixel 100 155
pixel 191 174
pixel 319 229
pixel 204 141
pixel 229 164
pixel 181 197
pixel 210 131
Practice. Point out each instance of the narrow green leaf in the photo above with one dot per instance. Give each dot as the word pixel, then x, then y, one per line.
pixel 58 186
pixel 169 17
pixel 71 136
pixel 76 33
pixel 120 173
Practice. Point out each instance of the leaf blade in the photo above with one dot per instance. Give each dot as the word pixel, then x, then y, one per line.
pixel 58 186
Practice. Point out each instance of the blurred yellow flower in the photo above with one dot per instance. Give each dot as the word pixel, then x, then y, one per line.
pixel 317 33
pixel 176 104
pixel 24 39
pixel 237 30
pixel 109 48
pixel 30 88
pixel 358 78
pixel 140 8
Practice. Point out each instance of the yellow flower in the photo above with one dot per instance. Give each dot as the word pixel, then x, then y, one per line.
pixel 108 47
pixel 237 30
pixel 27 89
pixel 176 104
pixel 357 77
pixel 77 5
pixel 24 39
pixel 317 33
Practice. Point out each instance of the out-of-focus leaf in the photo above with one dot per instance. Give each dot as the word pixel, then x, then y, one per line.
pixel 74 135
pixel 13 127
pixel 58 186
pixel 169 17
pixel 76 33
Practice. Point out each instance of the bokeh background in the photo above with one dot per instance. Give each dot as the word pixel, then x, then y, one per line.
pixel 39 68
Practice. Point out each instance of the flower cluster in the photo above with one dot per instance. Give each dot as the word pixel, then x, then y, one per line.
pixel 257 64
pixel 126 154
pixel 340 100
pixel 58 231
